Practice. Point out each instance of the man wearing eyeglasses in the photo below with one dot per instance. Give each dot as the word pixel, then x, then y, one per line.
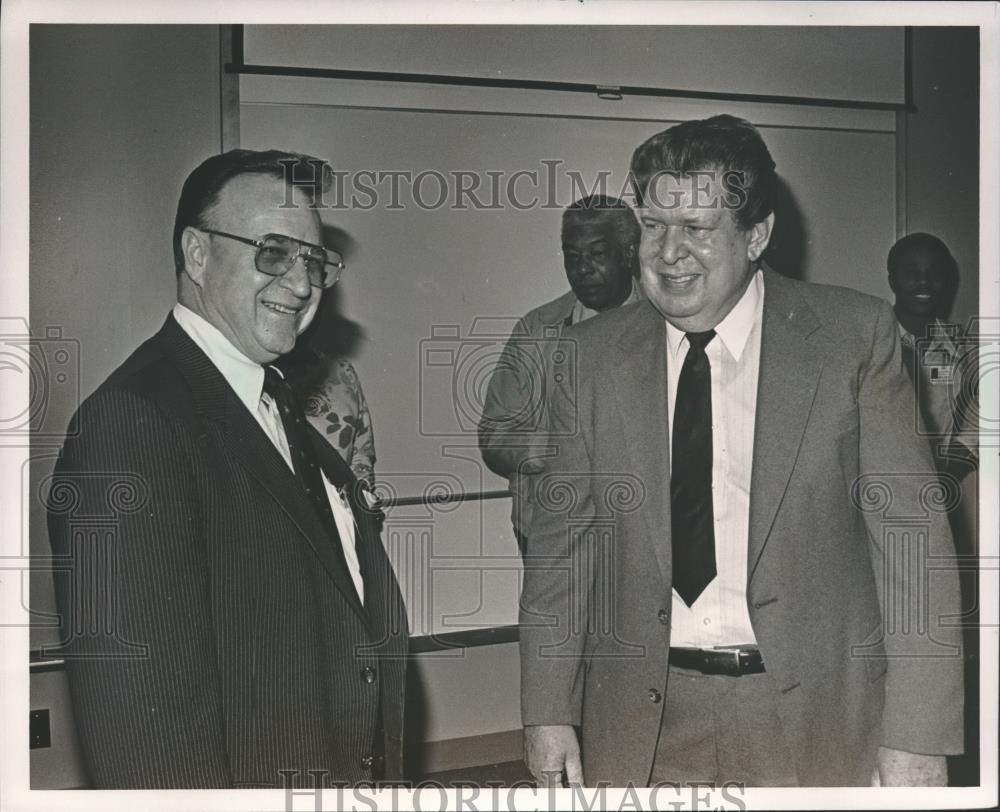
pixel 252 633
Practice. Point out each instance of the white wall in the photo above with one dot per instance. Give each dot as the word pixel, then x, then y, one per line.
pixel 772 60
pixel 119 116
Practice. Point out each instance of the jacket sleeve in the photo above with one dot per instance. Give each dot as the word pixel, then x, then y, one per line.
pixel 134 602
pixel 914 565
pixel 963 430
pixel 513 408
pixel 559 567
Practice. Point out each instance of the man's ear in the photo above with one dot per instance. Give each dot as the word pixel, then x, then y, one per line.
pixel 760 236
pixel 194 247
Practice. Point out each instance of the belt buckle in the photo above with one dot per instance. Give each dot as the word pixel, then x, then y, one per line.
pixel 731 665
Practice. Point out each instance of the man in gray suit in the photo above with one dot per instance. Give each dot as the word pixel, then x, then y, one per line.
pixel 716 591
pixel 250 632
pixel 600 245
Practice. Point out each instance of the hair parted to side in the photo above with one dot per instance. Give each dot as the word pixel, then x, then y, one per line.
pixel 604 208
pixel 921 241
pixel 725 144
pixel 201 189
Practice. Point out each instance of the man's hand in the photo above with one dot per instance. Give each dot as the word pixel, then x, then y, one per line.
pixel 897 768
pixel 552 753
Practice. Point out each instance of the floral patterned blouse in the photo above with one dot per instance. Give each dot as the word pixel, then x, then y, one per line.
pixel 335 404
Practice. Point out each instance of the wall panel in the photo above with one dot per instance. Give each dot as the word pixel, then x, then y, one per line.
pixel 758 60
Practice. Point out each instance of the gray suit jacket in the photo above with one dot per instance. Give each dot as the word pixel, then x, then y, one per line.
pixel 213 637
pixel 850 585
pixel 510 429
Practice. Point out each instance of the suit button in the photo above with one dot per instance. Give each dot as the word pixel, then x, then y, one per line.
pixel 654 696
pixel 367 761
pixel 663 616
pixel 368 674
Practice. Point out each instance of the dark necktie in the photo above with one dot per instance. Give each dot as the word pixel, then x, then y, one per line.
pixel 307 469
pixel 691 516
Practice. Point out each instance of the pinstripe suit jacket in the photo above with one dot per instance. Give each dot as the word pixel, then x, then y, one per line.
pixel 212 636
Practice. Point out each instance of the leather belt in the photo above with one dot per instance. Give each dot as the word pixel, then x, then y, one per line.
pixel 718 661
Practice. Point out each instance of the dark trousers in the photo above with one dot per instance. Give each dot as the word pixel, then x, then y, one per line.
pixel 720 730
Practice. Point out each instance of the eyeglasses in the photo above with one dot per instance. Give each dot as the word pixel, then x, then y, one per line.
pixel 276 254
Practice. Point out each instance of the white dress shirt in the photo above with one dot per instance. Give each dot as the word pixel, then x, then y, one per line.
pixel 247 380
pixel 719 617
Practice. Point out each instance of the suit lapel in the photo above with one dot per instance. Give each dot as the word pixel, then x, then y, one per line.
pixel 243 437
pixel 790 367
pixel 639 374
pixel 261 459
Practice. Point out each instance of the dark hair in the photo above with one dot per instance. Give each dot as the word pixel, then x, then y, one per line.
pixel 603 208
pixel 201 189
pixel 921 241
pixel 724 143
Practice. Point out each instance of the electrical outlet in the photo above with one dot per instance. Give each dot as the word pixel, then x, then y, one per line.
pixel 39 727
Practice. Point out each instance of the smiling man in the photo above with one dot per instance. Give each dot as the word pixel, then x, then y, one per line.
pixel 250 632
pixel 711 594
pixel 923 276
pixel 600 245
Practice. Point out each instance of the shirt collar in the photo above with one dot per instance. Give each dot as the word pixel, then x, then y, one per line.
pixel 246 377
pixel 938 336
pixel 734 330
pixel 905 335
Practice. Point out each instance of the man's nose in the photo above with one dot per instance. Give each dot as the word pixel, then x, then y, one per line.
pixel 586 265
pixel 296 278
pixel 673 247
